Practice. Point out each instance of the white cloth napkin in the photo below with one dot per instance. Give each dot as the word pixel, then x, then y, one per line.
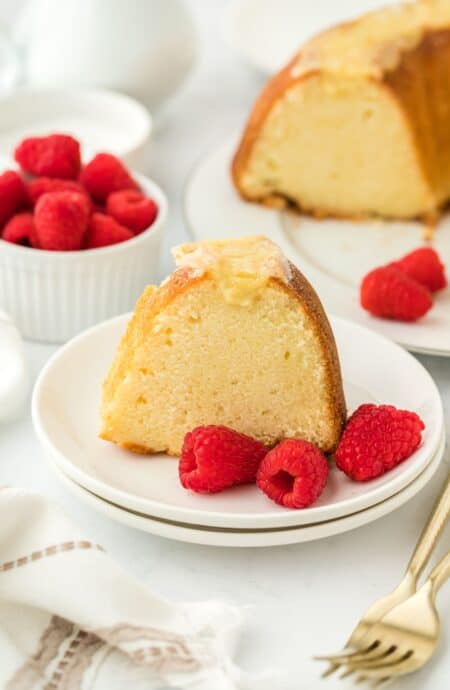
pixel 72 619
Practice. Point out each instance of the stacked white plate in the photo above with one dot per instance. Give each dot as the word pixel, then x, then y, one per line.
pixel 144 491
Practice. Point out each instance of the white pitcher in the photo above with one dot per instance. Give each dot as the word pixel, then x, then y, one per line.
pixel 142 47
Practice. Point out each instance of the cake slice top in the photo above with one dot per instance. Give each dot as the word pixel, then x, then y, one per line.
pixel 374 43
pixel 240 267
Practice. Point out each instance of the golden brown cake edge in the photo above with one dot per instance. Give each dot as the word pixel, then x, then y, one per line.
pixel 307 296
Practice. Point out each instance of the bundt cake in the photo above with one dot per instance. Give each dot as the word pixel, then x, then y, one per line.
pixel 358 123
pixel 235 336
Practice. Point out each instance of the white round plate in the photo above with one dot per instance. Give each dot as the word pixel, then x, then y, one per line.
pixel 333 254
pixel 66 417
pixel 266 33
pixel 256 538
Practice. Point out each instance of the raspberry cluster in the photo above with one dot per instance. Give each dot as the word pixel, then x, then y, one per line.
pixel 295 472
pixel 402 290
pixel 57 204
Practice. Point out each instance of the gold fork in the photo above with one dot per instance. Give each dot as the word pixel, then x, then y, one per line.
pixel 405 638
pixel 407 587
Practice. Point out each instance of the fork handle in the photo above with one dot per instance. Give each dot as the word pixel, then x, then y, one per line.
pixel 430 533
pixel 440 573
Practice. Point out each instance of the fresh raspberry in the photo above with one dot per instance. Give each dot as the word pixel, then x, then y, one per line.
pixel 106 174
pixel 104 230
pixel 216 457
pixel 391 294
pixel 20 229
pixel 57 155
pixel 43 185
pixel 376 439
pixel 61 220
pixel 293 474
pixel 132 209
pixel 13 194
pixel 425 266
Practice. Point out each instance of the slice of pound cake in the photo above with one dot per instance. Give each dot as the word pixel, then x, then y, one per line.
pixel 357 124
pixel 236 336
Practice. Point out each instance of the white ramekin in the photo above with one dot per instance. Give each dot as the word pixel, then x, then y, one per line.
pixel 54 295
pixel 102 121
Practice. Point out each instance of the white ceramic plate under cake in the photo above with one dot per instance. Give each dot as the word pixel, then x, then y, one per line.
pixel 333 254
pixel 66 417
pixel 266 33
pixel 196 534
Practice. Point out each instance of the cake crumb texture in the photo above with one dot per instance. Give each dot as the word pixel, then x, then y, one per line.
pixel 266 366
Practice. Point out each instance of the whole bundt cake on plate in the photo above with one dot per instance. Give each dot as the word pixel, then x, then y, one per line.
pixel 358 123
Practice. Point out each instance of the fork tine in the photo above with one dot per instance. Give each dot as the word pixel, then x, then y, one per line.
pixel 348 672
pixel 351 653
pixel 384 654
pixel 399 668
pixel 336 661
pixel 382 682
pixel 392 658
pixel 332 668
pixel 360 679
pixel 332 658
pixel 378 683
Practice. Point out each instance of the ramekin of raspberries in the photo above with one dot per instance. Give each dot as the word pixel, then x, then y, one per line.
pixel 70 207
pixel 295 472
pixel 79 240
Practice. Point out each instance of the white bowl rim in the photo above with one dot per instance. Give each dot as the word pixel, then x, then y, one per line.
pixel 142 119
pixel 148 185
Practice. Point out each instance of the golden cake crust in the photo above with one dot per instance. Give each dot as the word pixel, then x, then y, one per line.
pixel 412 74
pixel 306 295
pixel 154 300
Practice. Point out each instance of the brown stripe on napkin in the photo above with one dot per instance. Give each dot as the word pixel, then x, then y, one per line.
pixel 157 649
pixel 61 640
pixel 75 661
pixel 50 551
pixel 33 670
pixel 73 651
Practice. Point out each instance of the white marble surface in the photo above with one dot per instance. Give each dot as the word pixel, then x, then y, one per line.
pixel 306 598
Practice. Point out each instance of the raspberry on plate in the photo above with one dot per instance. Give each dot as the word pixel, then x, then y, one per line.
pixel 425 266
pixel 214 458
pixel 61 220
pixel 391 294
pixel 376 439
pixel 293 474
pixel 20 229
pixel 106 174
pixel 43 185
pixel 104 230
pixel 57 155
pixel 13 194
pixel 132 209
